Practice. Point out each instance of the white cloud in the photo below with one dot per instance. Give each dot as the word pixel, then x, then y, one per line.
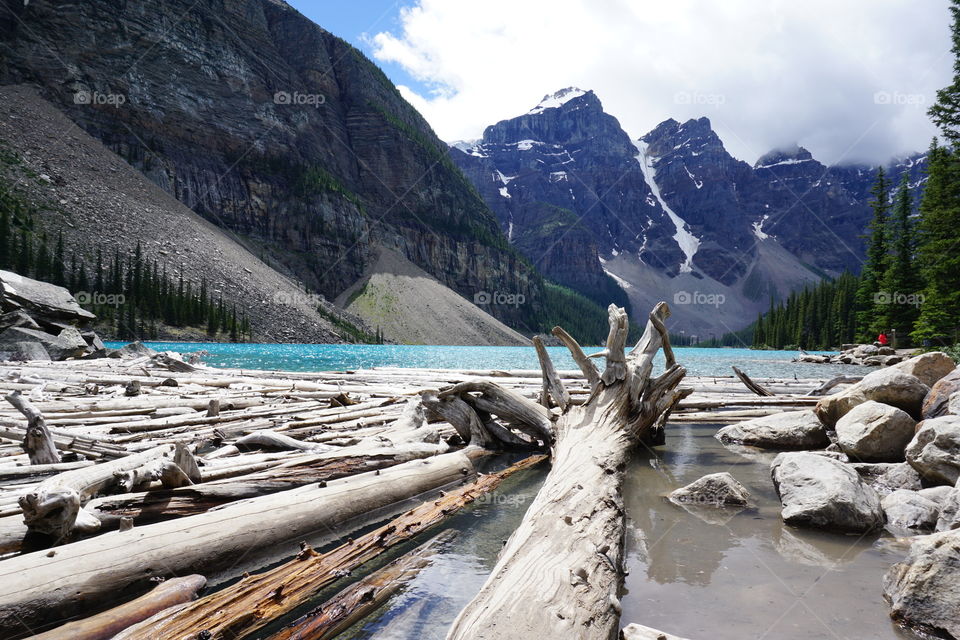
pixel 843 79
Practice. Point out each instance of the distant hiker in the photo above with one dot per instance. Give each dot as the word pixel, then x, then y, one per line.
pixel 882 339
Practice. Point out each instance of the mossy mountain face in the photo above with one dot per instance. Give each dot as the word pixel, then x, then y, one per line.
pixel 271 127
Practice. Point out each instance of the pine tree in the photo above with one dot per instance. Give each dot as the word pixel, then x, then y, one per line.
pixel 870 276
pixel 900 278
pixel 945 112
pixel 938 252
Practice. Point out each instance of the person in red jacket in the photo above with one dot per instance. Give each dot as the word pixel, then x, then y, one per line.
pixel 882 339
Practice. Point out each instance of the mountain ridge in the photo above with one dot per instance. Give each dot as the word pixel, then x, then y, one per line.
pixel 703 219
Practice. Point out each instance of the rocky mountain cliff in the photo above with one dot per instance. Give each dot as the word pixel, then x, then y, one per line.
pixel 672 215
pixel 272 128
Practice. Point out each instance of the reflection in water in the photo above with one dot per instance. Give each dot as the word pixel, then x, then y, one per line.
pixel 699 573
pixel 702 572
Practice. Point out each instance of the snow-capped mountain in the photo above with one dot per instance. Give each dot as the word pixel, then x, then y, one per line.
pixel 669 214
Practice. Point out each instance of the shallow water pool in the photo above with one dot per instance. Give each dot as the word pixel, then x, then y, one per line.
pixel 704 575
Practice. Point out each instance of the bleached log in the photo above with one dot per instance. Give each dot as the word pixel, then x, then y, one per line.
pixel 558 575
pixel 552 387
pixel 17 472
pixel 462 416
pixel 166 504
pixel 750 384
pixel 54 505
pixel 37 441
pixel 248 605
pixel 91 574
pixel 356 601
pixel 104 626
pixel 519 412
pixel 824 388
pixel 586 365
pixel 640 632
pixel 273 440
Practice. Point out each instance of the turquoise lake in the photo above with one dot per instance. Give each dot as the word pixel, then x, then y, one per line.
pixel 338 357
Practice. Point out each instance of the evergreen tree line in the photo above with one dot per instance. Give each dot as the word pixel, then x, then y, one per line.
pixel 908 287
pixel 134 295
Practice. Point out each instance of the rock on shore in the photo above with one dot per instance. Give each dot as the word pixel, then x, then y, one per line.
pixel 893 386
pixel 818 491
pixel 935 450
pixel 782 431
pixel 924 590
pixel 715 489
pixel 875 432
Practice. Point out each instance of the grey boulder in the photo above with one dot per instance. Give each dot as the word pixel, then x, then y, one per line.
pixel 817 491
pixel 875 432
pixel 889 386
pixel 41 298
pixel 935 404
pixel 949 517
pixel 68 344
pixel 785 431
pixel 886 477
pixel 935 450
pixel 715 489
pixel 907 509
pixel 928 367
pixel 924 590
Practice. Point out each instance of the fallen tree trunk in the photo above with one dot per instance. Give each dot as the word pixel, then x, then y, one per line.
pixel 360 598
pixel 559 573
pixel 750 384
pixel 54 506
pixel 38 441
pixel 250 604
pixel 833 382
pixel 156 506
pixel 104 626
pixel 91 574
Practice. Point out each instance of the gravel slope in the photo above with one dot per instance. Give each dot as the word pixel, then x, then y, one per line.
pixel 97 199
pixel 412 307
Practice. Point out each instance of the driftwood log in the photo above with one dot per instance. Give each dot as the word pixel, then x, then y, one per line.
pixel 750 384
pixel 38 441
pixel 362 597
pixel 104 626
pixel 559 573
pixel 95 572
pixel 252 603
pixel 54 507
pixel 827 386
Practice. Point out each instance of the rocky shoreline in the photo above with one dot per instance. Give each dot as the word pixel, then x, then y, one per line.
pixel 882 453
pixel 866 355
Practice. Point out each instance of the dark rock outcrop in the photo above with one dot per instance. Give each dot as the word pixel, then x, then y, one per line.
pixel 273 129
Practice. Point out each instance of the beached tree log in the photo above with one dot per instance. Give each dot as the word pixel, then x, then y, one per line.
pixel 54 506
pixel 833 382
pixel 104 626
pixel 558 575
pixel 240 609
pixel 38 441
pixel 750 384
pixel 362 597
pixel 552 387
pixel 90 575
pixel 586 365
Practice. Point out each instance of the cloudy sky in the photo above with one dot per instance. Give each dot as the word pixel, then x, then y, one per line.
pixel 849 80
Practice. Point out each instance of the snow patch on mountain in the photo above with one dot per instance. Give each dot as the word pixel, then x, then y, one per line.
pixel 687 242
pixel 758 229
pixel 697 183
pixel 620 281
pixel 558 99
pixel 783 162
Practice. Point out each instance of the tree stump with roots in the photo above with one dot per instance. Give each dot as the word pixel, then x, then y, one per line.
pixel 559 573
